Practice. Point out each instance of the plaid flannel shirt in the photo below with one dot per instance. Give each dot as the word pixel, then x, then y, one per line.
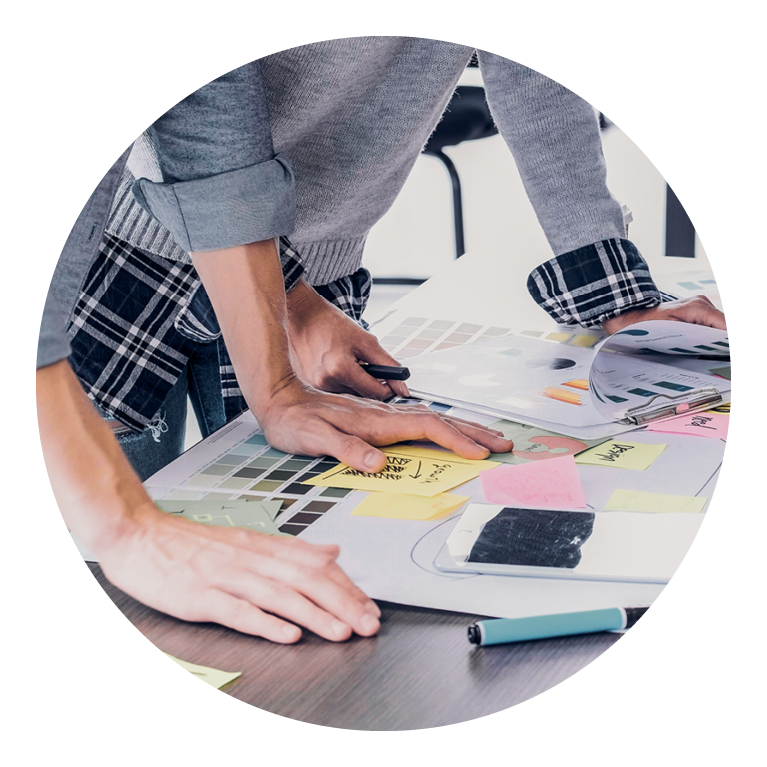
pixel 140 316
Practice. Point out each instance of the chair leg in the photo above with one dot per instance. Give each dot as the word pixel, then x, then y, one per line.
pixel 460 248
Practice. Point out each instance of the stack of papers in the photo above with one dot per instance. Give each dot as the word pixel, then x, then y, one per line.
pixel 647 372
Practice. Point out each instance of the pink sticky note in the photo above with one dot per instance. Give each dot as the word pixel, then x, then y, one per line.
pixel 700 424
pixel 551 484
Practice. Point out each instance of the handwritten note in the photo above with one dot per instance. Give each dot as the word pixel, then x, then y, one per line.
pixel 408 470
pixel 635 500
pixel 212 676
pixel 550 484
pixel 711 425
pixel 621 455
pixel 413 507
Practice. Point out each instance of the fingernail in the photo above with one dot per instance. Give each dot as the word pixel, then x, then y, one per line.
pixel 372 608
pixel 338 628
pixel 372 460
pixel 291 633
pixel 369 624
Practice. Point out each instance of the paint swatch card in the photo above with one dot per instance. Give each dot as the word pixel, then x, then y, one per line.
pixel 711 425
pixel 413 507
pixel 635 500
pixel 212 676
pixel 408 470
pixel 621 455
pixel 251 514
pixel 551 484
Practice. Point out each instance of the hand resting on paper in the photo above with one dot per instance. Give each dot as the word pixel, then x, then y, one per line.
pixel 246 580
pixel 300 419
pixel 697 310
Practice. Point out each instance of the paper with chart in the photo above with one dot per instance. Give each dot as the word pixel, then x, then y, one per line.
pixel 577 391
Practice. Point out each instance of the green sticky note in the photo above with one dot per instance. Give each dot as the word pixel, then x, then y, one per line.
pixel 621 455
pixel 635 500
pixel 237 513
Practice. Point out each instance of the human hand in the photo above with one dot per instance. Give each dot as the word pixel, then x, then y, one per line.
pixel 303 420
pixel 327 347
pixel 255 583
pixel 697 310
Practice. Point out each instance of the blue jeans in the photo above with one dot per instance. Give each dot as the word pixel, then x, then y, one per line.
pixel 163 440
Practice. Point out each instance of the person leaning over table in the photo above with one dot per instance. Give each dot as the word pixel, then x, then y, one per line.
pixel 239 578
pixel 284 406
pixel 339 127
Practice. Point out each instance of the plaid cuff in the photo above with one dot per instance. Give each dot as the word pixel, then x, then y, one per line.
pixel 592 284
pixel 197 320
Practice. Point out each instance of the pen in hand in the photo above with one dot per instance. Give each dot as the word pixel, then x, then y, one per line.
pixel 386 372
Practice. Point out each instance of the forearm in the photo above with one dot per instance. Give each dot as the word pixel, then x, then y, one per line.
pixel 245 287
pixel 99 494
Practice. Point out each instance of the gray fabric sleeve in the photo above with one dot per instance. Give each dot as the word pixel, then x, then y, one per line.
pixel 78 253
pixel 222 184
pixel 554 137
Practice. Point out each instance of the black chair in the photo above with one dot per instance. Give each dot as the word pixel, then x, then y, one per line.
pixel 467 118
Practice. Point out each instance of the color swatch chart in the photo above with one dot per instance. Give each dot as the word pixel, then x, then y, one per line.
pixel 240 464
pixel 411 336
pixel 237 463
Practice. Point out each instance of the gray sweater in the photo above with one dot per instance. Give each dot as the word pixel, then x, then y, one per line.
pixel 316 142
pixel 352 116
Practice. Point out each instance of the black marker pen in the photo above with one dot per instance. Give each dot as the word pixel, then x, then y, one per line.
pixel 386 372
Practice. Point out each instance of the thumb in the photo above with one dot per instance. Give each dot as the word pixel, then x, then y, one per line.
pixel 352 450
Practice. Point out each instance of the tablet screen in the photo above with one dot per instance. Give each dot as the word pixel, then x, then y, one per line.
pixel 607 545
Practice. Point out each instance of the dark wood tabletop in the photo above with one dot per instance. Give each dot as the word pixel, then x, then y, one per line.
pixel 419 671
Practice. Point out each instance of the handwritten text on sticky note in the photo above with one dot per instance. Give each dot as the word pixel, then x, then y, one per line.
pixel 409 470
pixel 711 425
pixel 621 455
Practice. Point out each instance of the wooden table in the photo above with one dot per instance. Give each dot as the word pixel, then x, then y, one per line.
pixel 419 671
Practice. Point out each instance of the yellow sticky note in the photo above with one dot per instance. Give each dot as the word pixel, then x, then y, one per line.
pixel 415 507
pixel 408 471
pixel 212 676
pixel 635 500
pixel 623 455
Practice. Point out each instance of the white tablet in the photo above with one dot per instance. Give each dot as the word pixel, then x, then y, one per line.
pixel 541 543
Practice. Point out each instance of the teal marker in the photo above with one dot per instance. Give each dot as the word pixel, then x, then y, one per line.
pixel 502 630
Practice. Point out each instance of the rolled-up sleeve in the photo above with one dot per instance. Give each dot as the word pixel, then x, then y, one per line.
pixel 222 183
pixel 594 283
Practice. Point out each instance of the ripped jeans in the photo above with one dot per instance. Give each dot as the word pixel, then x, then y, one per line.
pixel 163 440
